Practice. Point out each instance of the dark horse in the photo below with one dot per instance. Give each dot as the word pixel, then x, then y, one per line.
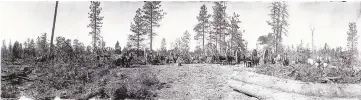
pixel 254 58
pixel 266 57
pixel 222 59
pixel 230 59
pixel 125 60
pixel 241 57
pixel 225 60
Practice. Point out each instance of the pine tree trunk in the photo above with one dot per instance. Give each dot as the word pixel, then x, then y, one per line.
pixel 151 27
pixel 274 30
pixel 223 43
pixel 220 43
pixel 203 39
pixel 95 31
pixel 220 39
pixel 232 34
pixel 216 39
pixel 210 38
pixel 138 42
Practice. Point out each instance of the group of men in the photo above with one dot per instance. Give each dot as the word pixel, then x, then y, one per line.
pixel 125 60
pixel 157 59
pixel 319 62
pixel 269 58
pixel 255 57
pixel 249 60
pixel 152 58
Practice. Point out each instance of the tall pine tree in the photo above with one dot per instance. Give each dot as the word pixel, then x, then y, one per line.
pixel 95 24
pixel 352 38
pixel 10 48
pixel 138 28
pixel 153 14
pixel 163 45
pixel 220 23
pixel 42 44
pixel 117 46
pixel 279 16
pixel 31 46
pixel 78 46
pixel 202 28
pixel 118 49
pixel 17 49
pixel 236 40
pixel 185 42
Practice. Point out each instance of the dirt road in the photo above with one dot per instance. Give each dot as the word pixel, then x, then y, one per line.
pixel 205 82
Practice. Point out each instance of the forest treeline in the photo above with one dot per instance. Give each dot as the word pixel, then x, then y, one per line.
pixel 217 33
pixel 70 65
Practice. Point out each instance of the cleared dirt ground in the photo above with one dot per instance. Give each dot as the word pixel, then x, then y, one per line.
pixel 187 82
pixel 195 81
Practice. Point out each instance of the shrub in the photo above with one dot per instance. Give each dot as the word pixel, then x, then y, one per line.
pixel 140 86
pixel 9 91
pixel 139 60
pixel 307 73
pixel 17 50
pixel 149 79
pixel 84 79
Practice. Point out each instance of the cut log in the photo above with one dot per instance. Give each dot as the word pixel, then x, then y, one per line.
pixel 264 93
pixel 304 88
pixel 234 95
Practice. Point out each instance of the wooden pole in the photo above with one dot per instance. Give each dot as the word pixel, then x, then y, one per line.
pixel 52 31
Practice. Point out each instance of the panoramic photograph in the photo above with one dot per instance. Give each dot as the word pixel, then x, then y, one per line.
pixel 180 50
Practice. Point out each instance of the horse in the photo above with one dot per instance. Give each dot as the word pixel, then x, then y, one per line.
pixel 285 60
pixel 230 59
pixel 247 62
pixel 128 60
pixel 240 57
pixel 266 57
pixel 222 59
pixel 254 58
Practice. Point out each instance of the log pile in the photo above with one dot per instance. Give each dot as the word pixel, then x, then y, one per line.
pixel 273 88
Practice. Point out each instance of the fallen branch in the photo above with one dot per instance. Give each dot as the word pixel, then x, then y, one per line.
pixel 304 88
pixel 264 93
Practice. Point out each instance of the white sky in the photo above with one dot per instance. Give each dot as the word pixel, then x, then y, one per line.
pixel 28 19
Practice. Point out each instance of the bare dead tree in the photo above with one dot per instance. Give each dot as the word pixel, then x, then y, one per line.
pixel 52 31
pixel 359 12
pixel 312 32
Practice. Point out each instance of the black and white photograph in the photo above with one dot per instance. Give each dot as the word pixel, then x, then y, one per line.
pixel 180 50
